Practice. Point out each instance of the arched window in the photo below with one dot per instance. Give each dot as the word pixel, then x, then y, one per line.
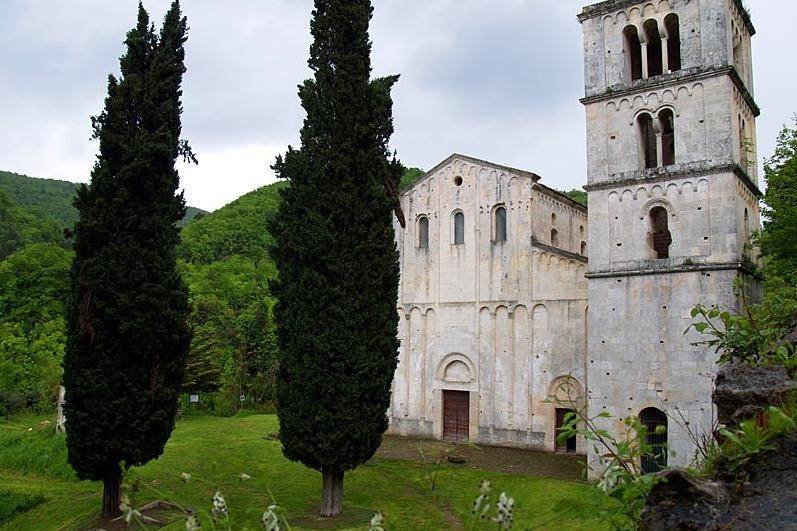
pixel 667 123
pixel 459 228
pixel 671 26
pixel 633 53
pixel 553 218
pixel 554 238
pixel 746 225
pixel 743 143
pixel 647 138
pixel 653 38
pixel 583 248
pixel 423 232
pixel 661 239
pixel 655 422
pixel 500 224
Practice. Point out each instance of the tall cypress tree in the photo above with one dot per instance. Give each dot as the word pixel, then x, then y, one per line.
pixel 127 320
pixel 336 255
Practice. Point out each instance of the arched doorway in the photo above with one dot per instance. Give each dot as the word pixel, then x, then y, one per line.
pixel 457 376
pixel 567 396
pixel 655 422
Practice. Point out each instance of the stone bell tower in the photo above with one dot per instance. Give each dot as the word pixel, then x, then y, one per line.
pixel 673 198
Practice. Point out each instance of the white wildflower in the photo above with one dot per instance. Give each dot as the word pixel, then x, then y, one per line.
pixel 610 478
pixel 244 477
pixel 127 510
pixel 485 487
pixel 186 477
pixel 506 505
pixel 377 522
pixel 270 520
pixel 192 523
pixel 219 506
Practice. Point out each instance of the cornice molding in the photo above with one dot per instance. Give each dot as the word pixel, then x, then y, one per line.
pixel 676 78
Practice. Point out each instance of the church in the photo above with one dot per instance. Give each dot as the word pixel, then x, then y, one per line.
pixel 515 299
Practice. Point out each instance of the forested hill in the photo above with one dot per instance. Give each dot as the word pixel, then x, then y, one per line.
pixel 52 199
pixel 237 229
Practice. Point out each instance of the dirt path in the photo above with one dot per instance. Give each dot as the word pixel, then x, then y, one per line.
pixel 509 460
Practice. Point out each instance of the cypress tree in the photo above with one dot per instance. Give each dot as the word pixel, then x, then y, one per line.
pixel 127 333
pixel 337 259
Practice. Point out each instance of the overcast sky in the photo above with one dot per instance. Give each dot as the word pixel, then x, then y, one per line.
pixel 495 79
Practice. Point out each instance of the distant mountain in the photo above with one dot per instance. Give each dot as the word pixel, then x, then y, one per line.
pixel 52 199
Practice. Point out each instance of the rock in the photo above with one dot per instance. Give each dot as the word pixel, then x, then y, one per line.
pixel 768 499
pixel 683 502
pixel 456 459
pixel 742 391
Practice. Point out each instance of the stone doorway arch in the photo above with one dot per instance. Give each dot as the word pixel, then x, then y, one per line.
pixel 456 399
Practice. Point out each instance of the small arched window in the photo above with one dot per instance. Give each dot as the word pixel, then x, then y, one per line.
pixel 459 228
pixel 553 218
pixel 583 248
pixel 633 53
pixel 423 232
pixel 647 139
pixel 500 224
pixel 744 146
pixel 672 27
pixel 655 422
pixel 661 239
pixel 746 225
pixel 654 48
pixel 554 238
pixel 667 123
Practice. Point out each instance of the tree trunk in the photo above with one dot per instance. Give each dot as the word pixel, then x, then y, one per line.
pixel 110 495
pixel 332 502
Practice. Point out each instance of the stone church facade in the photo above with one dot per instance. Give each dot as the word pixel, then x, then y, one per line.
pixel 500 310
pixel 492 302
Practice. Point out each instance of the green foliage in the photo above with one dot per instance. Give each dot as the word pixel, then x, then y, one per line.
pixel 33 287
pixel 237 229
pixel 758 336
pixel 13 503
pixel 34 284
pixel 20 226
pixel 234 344
pixel 336 253
pixel 779 238
pixel 741 445
pixel 127 318
pixel 53 199
pixel 579 196
pixel 623 488
pixel 410 177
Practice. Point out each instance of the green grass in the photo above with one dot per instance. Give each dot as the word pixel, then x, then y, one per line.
pixel 13 503
pixel 215 451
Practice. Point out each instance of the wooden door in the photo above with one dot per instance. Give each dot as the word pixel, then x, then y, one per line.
pixel 456 415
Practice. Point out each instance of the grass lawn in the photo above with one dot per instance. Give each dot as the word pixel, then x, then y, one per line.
pixel 215 451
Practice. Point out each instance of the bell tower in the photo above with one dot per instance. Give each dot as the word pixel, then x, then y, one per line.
pixel 673 199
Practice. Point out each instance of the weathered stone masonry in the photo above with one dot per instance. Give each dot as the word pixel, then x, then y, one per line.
pixel 639 359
